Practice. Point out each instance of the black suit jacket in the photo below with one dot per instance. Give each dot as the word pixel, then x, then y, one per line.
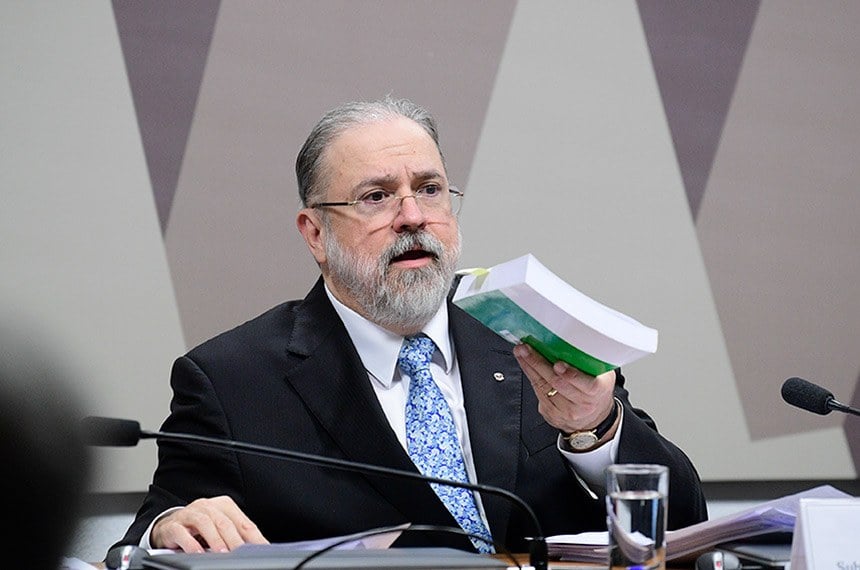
pixel 291 378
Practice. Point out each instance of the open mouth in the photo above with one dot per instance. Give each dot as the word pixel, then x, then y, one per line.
pixel 413 255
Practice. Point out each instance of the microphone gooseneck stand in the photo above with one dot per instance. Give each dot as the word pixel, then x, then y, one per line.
pixel 538 555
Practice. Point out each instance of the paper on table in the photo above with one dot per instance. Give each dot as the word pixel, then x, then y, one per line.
pixel 358 541
pixel 582 547
pixel 772 516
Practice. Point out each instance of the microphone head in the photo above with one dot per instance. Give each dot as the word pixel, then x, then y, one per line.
pixel 110 432
pixel 808 396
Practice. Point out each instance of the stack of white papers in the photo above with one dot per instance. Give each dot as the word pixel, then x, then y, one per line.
pixel 523 301
pixel 778 515
pixel 582 547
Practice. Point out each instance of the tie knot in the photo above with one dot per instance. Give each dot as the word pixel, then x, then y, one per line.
pixel 415 354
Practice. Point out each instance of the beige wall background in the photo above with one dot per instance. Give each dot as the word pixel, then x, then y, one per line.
pixel 694 165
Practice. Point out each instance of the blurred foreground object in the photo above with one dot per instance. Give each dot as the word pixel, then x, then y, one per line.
pixel 46 466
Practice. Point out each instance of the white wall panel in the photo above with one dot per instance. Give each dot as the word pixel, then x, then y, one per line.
pixel 80 247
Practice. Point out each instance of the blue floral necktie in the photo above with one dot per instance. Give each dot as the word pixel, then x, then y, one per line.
pixel 431 438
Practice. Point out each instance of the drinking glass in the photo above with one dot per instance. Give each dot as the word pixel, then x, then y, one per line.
pixel 636 503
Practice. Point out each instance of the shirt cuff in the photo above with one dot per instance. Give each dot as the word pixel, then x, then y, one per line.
pixel 589 466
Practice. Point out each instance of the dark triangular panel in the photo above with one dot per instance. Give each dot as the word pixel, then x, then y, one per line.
pixel 697 49
pixel 165 45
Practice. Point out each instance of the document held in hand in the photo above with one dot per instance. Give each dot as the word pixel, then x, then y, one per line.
pixel 523 301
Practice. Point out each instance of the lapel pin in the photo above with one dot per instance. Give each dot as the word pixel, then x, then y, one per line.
pixel 498 376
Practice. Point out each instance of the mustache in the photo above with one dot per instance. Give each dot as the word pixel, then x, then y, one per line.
pixel 410 241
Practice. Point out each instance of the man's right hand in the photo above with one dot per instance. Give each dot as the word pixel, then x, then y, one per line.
pixel 217 524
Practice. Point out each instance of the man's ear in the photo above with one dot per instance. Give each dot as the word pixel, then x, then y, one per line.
pixel 311 227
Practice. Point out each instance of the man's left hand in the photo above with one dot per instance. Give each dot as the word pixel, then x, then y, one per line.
pixel 569 399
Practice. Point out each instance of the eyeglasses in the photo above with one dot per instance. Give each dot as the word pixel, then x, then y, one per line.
pixel 432 198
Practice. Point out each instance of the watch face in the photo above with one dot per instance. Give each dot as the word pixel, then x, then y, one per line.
pixel 582 439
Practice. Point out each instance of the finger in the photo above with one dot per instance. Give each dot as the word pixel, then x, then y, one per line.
pixel 228 525
pixel 529 357
pixel 537 375
pixel 170 533
pixel 583 388
pixel 543 389
pixel 549 398
pixel 246 530
pixel 595 390
pixel 250 533
pixel 213 527
pixel 607 377
pixel 204 523
pixel 553 381
pixel 208 526
pixel 570 381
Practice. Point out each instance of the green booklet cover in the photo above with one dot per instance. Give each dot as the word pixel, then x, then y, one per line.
pixel 523 301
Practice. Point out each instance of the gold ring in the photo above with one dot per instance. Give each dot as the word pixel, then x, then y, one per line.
pixel 551 393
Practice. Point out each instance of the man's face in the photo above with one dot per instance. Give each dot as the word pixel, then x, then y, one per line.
pixel 394 267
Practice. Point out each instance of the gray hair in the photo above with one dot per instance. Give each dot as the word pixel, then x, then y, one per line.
pixel 346 116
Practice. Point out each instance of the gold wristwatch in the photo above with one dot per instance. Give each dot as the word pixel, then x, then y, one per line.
pixel 586 439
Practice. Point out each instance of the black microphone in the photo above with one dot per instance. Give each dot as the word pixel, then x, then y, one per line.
pixel 113 432
pixel 813 398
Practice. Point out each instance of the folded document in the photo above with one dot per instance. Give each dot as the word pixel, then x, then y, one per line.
pixel 523 301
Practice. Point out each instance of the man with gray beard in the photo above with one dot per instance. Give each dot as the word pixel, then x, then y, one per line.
pixel 406 300
pixel 374 365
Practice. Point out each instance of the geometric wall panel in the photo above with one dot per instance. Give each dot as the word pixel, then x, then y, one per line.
pixel 165 45
pixel 778 221
pixel 697 49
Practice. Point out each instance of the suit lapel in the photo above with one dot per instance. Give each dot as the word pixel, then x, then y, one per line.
pixel 492 390
pixel 331 380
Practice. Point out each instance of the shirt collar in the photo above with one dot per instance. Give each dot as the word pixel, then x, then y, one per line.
pixel 379 347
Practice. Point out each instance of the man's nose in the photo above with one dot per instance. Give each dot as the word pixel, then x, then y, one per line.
pixel 409 214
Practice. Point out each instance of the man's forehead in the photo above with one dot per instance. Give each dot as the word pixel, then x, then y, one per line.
pixel 383 134
pixel 382 149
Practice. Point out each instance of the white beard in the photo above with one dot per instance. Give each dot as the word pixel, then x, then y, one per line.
pixel 395 299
